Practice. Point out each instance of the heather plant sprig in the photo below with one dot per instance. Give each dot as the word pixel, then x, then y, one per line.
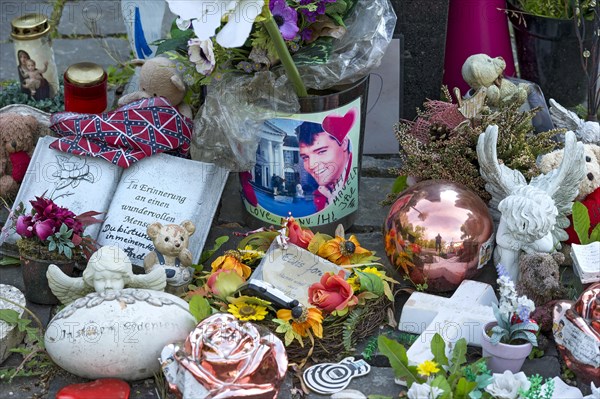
pixel 512 314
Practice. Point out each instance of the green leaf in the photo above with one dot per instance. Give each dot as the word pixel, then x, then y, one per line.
pixel 68 252
pixel 206 254
pixel 463 388
pixel 199 308
pixel 259 241
pixel 370 282
pixel 438 348
pixel 317 52
pixel 52 246
pixel 9 261
pixel 400 184
pixel 10 316
pixel 581 222
pixel 396 354
pixel 595 235
pixel 316 242
pixel 441 382
pixel 175 44
pixel 459 355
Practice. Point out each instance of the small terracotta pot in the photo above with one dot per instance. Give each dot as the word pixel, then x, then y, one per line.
pixel 36 282
pixel 502 357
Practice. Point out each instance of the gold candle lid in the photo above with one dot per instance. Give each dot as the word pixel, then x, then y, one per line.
pixel 29 26
pixel 85 74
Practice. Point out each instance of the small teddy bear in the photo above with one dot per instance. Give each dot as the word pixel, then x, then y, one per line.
pixel 171 253
pixel 540 277
pixel 18 134
pixel 159 78
pixel 480 70
pixel 591 179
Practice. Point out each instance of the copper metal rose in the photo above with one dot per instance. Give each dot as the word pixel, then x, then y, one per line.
pixel 225 358
pixel 576 331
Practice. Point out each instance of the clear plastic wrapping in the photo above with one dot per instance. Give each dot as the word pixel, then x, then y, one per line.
pixel 226 127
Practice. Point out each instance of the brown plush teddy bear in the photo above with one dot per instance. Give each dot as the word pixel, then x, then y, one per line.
pixel 159 78
pixel 171 252
pixel 18 134
pixel 540 277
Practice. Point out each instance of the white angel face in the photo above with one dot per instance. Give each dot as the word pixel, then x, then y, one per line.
pixel 108 280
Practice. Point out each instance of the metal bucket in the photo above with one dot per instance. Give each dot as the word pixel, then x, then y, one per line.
pixel 308 164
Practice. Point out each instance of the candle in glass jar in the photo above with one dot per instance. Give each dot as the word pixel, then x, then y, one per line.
pixel 85 88
pixel 35 58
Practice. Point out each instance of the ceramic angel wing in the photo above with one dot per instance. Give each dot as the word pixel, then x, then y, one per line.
pixel 562 184
pixel 586 131
pixel 65 288
pixel 501 181
pixel 155 280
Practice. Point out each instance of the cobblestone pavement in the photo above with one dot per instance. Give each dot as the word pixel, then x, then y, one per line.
pixel 85 32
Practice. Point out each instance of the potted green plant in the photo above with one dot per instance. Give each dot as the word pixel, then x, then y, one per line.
pixel 509 340
pixel 553 38
pixel 51 234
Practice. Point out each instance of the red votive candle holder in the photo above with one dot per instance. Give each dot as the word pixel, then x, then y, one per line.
pixel 85 88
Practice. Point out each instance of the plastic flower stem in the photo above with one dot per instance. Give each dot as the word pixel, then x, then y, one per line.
pixel 285 56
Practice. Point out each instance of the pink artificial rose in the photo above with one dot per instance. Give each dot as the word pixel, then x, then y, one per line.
pixel 332 293
pixel 223 283
pixel 25 226
pixel 297 235
pixel 44 229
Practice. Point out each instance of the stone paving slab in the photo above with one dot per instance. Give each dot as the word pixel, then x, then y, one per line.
pixel 69 51
pixel 91 17
pixel 8 62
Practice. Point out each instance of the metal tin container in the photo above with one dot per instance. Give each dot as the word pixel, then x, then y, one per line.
pixel 85 88
pixel 34 56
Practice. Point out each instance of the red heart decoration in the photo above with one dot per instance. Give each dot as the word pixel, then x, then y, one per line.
pixel 109 388
pixel 339 126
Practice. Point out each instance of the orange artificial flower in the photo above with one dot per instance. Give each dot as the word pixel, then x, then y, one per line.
pixel 311 318
pixel 231 261
pixel 297 235
pixel 344 252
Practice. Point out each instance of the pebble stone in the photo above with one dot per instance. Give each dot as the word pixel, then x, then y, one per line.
pixel 10 336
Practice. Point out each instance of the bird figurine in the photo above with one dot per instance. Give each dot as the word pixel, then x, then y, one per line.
pixel 586 131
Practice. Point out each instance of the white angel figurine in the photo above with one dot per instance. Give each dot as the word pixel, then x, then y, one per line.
pixel 586 131
pixel 533 216
pixel 109 268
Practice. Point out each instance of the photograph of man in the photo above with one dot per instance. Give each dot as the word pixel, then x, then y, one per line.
pixel 327 157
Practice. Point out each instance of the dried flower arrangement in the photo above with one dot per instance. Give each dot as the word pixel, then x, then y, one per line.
pixel 440 143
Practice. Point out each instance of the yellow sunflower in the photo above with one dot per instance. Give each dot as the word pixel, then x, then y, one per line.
pixel 354 282
pixel 343 252
pixel 427 368
pixel 372 270
pixel 311 318
pixel 231 261
pixel 247 311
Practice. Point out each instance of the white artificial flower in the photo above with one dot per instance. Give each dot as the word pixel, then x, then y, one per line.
pixel 206 17
pixel 423 391
pixel 506 308
pixel 507 385
pixel 525 302
pixel 201 54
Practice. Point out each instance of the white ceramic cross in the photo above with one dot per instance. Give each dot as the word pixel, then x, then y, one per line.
pixel 461 316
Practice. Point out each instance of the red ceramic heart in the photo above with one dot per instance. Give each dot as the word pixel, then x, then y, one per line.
pixel 108 388
pixel 339 126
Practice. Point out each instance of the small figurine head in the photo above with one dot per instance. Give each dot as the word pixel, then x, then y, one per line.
pixel 171 239
pixel 529 212
pixel 109 268
pixel 30 64
pixel 481 70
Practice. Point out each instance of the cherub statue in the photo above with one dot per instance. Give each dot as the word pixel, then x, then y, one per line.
pixel 588 132
pixel 533 215
pixel 109 268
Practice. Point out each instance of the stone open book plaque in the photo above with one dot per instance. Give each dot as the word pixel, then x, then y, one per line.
pixel 292 270
pixel 161 188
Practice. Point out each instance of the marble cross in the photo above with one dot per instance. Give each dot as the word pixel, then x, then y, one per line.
pixel 461 316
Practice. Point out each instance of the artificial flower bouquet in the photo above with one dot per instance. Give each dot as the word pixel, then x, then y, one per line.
pixel 260 57
pixel 512 314
pixel 340 312
pixel 52 232
pixel 450 375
